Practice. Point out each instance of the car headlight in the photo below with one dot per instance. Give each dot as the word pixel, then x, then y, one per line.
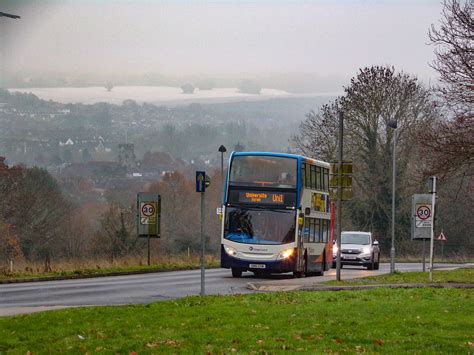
pixel 230 251
pixel 366 250
pixel 285 254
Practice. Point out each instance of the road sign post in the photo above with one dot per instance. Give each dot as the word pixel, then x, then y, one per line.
pixel 202 181
pixel 148 218
pixel 423 255
pixel 421 220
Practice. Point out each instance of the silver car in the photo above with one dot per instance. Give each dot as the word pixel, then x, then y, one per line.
pixel 358 248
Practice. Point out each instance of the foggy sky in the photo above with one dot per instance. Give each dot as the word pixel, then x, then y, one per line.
pixel 218 38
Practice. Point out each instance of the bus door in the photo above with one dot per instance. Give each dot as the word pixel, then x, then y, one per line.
pixel 300 243
pixel 315 232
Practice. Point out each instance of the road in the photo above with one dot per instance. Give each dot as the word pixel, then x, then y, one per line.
pixel 146 288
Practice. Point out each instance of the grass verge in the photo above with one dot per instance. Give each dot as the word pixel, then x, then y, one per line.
pixel 381 320
pixel 100 268
pixel 440 276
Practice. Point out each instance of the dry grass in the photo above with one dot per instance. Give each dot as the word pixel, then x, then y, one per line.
pixel 25 269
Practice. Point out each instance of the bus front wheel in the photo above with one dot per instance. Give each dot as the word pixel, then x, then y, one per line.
pixel 236 272
pixel 300 274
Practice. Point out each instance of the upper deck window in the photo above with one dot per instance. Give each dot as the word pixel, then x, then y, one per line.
pixel 263 171
pixel 315 177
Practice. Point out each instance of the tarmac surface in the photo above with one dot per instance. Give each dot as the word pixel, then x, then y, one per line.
pixel 146 288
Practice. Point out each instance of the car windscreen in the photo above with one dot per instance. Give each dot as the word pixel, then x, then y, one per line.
pixel 264 171
pixel 355 238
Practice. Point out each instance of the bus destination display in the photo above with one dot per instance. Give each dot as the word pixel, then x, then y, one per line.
pixel 270 198
pixel 259 197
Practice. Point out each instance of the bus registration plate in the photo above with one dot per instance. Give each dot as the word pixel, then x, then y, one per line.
pixel 257 266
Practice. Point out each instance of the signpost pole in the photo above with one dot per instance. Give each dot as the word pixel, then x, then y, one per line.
pixel 203 246
pixel 148 260
pixel 339 197
pixel 202 181
pixel 423 254
pixel 433 200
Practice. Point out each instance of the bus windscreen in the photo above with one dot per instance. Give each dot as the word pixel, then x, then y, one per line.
pixel 264 171
pixel 257 226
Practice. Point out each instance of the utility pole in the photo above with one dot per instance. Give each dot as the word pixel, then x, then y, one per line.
pixel 339 196
pixel 433 201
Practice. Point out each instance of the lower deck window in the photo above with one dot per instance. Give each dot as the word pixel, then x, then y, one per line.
pixel 316 230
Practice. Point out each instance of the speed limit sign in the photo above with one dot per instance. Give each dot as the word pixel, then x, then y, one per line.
pixel 148 212
pixel 423 215
pixel 148 209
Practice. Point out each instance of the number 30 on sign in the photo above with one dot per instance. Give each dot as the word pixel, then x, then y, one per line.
pixel 148 212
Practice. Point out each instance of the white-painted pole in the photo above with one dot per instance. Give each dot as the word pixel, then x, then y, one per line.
pixel 394 179
pixel 339 195
pixel 433 201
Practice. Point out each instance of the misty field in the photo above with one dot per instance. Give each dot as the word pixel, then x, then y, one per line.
pixel 149 94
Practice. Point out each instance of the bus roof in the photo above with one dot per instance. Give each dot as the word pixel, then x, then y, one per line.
pixel 283 155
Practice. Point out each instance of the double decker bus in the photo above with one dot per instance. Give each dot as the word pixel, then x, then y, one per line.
pixel 277 217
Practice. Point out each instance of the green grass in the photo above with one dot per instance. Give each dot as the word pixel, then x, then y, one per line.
pixel 84 272
pixel 440 276
pixel 381 320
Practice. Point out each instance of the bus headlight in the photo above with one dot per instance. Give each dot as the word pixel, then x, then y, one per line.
pixel 230 251
pixel 285 254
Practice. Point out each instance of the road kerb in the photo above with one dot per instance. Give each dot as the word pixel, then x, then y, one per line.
pixel 319 287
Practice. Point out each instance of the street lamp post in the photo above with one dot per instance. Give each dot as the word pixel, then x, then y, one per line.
pixel 222 150
pixel 339 195
pixel 2 74
pixel 393 124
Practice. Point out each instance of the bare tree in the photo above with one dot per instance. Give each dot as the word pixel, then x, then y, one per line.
pixel 117 237
pixel 449 143
pixel 318 132
pixel 32 203
pixel 455 55
pixel 376 96
pixel 448 148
